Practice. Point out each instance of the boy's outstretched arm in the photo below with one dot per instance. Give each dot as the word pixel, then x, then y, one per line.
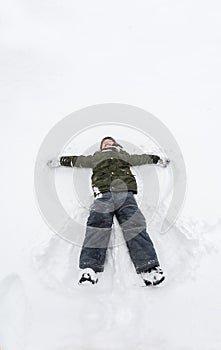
pixel 140 159
pixel 71 161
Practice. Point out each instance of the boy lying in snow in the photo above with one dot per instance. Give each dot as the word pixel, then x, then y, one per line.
pixel 114 187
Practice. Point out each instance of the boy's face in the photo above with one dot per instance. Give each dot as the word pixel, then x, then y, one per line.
pixel 107 143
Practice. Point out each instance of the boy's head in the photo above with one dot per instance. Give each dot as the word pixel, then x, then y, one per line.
pixel 107 142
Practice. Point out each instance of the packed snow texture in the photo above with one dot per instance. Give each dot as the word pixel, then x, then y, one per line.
pixel 57 57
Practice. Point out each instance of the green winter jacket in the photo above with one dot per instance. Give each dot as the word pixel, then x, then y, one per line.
pixel 111 169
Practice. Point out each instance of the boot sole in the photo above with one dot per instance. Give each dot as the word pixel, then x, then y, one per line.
pixel 159 281
pixel 148 283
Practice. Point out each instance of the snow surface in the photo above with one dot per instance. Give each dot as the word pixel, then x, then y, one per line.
pixel 57 57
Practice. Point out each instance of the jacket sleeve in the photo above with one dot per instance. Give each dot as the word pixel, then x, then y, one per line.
pixel 140 159
pixel 77 161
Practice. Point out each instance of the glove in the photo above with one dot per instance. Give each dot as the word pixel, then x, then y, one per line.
pixel 54 163
pixel 163 162
pixel 155 159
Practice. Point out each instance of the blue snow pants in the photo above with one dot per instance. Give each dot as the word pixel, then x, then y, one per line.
pixel 133 224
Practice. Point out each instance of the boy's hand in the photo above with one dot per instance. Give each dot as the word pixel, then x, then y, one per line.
pixel 54 163
pixel 163 162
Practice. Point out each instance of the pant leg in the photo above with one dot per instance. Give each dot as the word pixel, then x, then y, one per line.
pixel 98 232
pixel 133 225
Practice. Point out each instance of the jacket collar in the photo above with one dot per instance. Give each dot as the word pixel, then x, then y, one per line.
pixel 112 148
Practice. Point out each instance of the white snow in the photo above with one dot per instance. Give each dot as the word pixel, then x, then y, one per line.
pixel 57 57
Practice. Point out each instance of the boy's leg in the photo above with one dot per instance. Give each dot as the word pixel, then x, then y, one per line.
pixel 97 235
pixel 133 225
